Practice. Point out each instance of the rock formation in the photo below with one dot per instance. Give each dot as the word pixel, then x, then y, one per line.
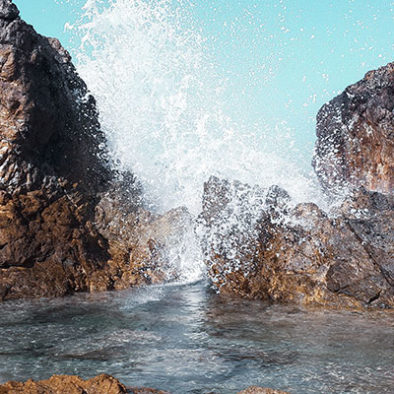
pixel 66 384
pixel 259 245
pixel 57 189
pixel 102 384
pixel 355 135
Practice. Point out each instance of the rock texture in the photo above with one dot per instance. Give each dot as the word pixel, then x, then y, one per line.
pixel 64 384
pixel 102 384
pixel 259 246
pixel 355 135
pixel 58 196
pixel 68 384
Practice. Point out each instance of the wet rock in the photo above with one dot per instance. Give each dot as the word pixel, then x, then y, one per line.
pixel 140 243
pixel 52 166
pixel 355 135
pixel 69 384
pixel 258 249
pixel 59 197
pixel 66 384
pixel 261 390
pixel 259 245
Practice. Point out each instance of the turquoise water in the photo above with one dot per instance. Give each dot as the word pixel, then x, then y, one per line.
pixel 189 339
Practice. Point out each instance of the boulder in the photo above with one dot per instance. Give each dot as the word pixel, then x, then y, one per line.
pixel 59 196
pixel 66 384
pixel 69 384
pixel 101 384
pixel 258 245
pixel 355 135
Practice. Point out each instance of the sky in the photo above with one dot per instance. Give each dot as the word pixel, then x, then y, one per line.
pixel 283 58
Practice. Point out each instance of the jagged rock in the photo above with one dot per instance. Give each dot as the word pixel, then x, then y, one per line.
pixel 69 384
pixel 261 390
pixel 355 135
pixel 284 253
pixel 51 169
pixel 258 245
pixel 101 384
pixel 57 188
pixel 66 384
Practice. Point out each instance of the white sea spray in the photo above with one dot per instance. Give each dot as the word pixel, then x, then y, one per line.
pixel 161 104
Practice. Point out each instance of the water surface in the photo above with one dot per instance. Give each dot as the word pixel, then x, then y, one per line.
pixel 188 339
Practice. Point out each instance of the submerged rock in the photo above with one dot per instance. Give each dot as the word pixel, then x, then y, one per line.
pixel 259 246
pixel 355 135
pixel 57 189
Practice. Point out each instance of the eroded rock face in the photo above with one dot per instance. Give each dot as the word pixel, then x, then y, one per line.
pixel 355 135
pixel 259 245
pixel 298 254
pixel 62 384
pixel 57 189
pixel 51 169
pixel 68 384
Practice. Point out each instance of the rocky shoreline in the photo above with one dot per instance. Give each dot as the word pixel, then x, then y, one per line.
pixel 102 384
pixel 301 254
pixel 70 223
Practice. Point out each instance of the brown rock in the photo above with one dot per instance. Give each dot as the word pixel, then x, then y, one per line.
pixel 355 135
pixel 263 248
pixel 261 390
pixel 68 222
pixel 258 245
pixel 65 384
pixel 52 167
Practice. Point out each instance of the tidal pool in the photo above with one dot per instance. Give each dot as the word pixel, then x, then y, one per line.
pixel 187 339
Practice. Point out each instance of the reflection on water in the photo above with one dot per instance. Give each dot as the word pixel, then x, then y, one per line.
pixel 186 339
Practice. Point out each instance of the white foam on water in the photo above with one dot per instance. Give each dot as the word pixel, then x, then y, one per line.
pixel 161 103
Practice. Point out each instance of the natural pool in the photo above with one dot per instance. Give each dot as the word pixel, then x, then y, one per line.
pixel 185 338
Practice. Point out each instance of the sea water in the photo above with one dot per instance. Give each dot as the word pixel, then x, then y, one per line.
pixel 188 339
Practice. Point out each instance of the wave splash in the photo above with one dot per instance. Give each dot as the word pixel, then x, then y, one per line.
pixel 161 102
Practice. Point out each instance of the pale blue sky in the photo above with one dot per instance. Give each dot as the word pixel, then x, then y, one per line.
pixel 283 58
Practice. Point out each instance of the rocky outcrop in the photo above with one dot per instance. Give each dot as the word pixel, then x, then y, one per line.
pixel 64 384
pixel 68 384
pixel 259 246
pixel 355 135
pixel 102 384
pixel 59 197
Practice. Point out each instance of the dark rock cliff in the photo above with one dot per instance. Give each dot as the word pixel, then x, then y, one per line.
pixel 355 135
pixel 58 195
pixel 258 245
